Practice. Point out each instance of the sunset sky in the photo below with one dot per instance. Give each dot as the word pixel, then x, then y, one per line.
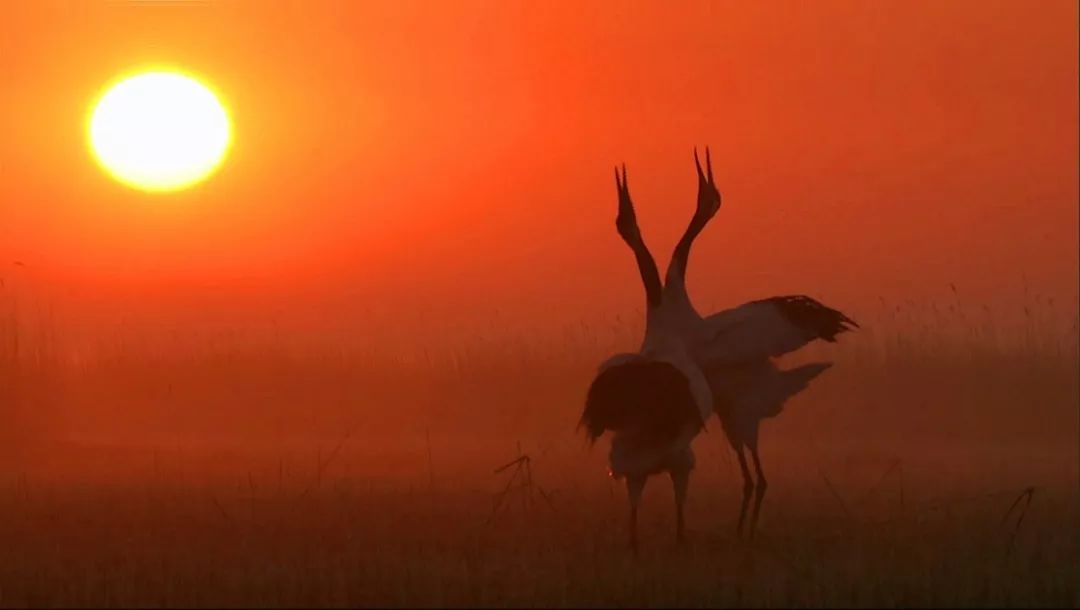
pixel 397 155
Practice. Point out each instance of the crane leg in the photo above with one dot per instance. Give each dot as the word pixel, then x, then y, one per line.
pixel 680 479
pixel 634 487
pixel 759 492
pixel 748 486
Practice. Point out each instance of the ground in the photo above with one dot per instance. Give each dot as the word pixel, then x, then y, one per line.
pixel 270 479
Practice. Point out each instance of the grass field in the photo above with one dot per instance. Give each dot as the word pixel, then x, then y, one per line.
pixel 239 477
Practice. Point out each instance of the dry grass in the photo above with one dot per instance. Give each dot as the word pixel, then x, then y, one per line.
pixel 284 477
pixel 355 541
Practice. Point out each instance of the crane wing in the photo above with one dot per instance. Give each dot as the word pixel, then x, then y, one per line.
pixel 619 359
pixel 653 398
pixel 765 329
pixel 758 390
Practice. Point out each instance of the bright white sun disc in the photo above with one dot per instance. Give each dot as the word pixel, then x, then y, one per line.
pixel 159 131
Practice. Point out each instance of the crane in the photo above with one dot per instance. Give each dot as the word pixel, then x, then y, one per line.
pixel 735 348
pixel 655 401
pixel 732 349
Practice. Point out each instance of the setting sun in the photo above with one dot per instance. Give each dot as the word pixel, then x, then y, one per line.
pixel 159 131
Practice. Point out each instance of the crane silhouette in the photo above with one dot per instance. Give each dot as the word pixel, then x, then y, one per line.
pixel 736 347
pixel 732 349
pixel 655 400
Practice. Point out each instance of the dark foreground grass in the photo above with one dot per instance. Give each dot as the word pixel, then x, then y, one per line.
pixel 825 539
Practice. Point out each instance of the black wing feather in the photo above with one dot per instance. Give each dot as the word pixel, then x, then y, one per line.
pixel 653 397
pixel 815 319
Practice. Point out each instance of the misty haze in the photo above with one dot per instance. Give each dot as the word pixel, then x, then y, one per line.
pixel 285 363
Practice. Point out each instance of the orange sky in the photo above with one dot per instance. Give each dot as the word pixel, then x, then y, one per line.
pixel 405 154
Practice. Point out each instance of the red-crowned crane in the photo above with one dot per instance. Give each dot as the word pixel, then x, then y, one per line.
pixel 732 349
pixel 735 347
pixel 656 400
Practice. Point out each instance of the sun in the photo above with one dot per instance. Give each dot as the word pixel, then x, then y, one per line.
pixel 159 131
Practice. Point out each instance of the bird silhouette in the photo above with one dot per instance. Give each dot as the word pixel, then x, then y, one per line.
pixel 655 401
pixel 733 349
